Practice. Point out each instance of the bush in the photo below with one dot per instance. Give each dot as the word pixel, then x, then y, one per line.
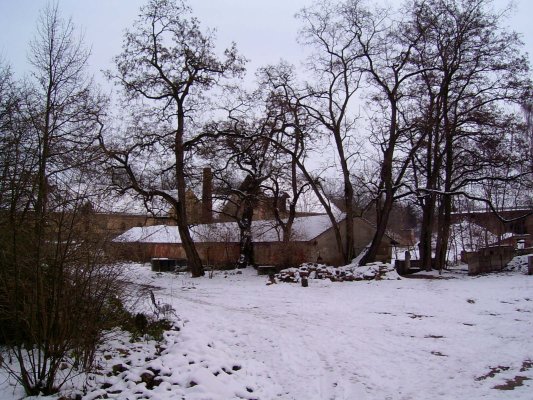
pixel 57 297
pixel 139 325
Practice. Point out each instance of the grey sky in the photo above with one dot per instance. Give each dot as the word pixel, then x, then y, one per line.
pixel 265 31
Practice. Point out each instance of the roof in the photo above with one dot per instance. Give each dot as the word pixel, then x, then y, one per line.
pixel 304 229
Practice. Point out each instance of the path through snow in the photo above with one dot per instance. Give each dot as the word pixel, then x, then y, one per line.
pixel 410 339
pixel 407 339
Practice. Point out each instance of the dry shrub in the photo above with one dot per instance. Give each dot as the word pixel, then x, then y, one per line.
pixel 58 294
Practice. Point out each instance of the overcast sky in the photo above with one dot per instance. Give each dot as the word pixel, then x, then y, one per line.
pixel 265 31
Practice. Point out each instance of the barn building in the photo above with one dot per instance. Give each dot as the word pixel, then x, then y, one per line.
pixel 218 243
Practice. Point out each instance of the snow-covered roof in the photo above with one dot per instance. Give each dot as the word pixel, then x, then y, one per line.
pixel 304 229
pixel 308 228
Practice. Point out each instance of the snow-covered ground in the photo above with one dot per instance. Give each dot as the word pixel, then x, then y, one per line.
pixel 457 338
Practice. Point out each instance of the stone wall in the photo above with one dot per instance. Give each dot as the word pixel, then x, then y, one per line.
pixel 489 259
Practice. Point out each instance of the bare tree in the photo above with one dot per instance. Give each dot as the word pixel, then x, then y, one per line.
pixel 290 137
pixel 54 284
pixel 387 41
pixel 527 108
pixel 15 141
pixel 165 69
pixel 337 68
pixel 244 160
pixel 477 70
pixel 296 135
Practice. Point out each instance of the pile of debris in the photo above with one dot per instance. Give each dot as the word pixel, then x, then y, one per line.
pixel 347 273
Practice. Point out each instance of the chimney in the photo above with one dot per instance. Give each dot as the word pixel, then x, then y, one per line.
pixel 207 196
pixel 281 203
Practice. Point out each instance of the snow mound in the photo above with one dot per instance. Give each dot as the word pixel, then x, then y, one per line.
pixel 518 264
pixel 348 273
pixel 183 365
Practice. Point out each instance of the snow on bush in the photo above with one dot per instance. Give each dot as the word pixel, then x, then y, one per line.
pixel 349 273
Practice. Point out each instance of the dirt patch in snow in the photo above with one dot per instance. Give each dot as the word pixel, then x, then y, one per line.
pixel 511 384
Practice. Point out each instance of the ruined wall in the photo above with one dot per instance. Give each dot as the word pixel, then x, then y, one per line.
pixel 489 259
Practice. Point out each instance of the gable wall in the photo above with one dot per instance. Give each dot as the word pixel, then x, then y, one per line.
pixel 363 234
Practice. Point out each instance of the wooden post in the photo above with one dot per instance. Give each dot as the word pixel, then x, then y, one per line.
pixel 530 265
pixel 407 261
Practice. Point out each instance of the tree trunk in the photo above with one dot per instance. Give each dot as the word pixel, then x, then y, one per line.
pixel 193 259
pixel 445 208
pixel 432 167
pixel 383 210
pixel 444 222
pixel 383 214
pixel 348 253
pixel 246 256
pixel 327 206
pixel 426 231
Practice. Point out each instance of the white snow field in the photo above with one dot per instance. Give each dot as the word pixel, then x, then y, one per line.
pixel 456 338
